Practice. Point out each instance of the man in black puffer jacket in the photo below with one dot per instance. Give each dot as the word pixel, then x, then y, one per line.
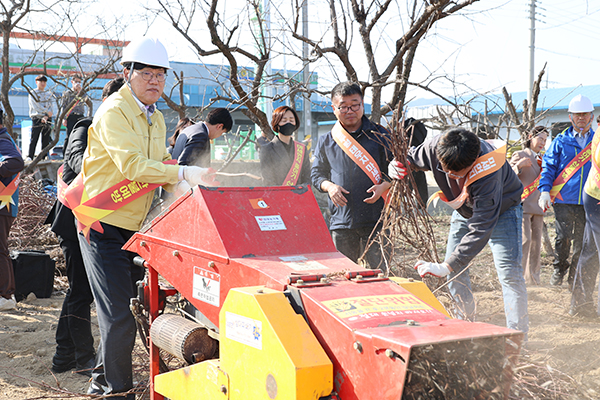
pixel 74 340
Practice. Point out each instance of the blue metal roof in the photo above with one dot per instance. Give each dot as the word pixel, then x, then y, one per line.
pixel 555 99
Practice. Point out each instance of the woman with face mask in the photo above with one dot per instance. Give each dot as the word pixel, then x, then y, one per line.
pixel 284 161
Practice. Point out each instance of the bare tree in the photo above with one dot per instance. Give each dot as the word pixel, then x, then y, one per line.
pixel 89 68
pixel 11 14
pixel 244 92
pixel 421 17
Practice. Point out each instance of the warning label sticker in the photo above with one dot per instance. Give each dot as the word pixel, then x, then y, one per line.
pixel 206 286
pixel 353 306
pixel 243 330
pixel 270 223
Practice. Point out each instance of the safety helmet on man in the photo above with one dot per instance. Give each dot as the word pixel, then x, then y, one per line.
pixel 147 51
pixel 580 104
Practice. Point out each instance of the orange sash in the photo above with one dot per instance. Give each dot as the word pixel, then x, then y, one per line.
pixel 484 165
pixel 6 192
pixel 566 174
pixel 89 211
pixel 294 173
pixel 358 154
pixel 530 188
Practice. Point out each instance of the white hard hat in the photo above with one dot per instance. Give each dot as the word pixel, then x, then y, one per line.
pixel 580 104
pixel 147 51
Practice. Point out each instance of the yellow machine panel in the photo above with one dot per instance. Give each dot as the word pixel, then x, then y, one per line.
pixel 267 352
pixel 421 290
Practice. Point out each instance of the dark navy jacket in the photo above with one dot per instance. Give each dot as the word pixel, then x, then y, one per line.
pixel 11 163
pixel 193 146
pixel 61 217
pixel 332 164
pixel 489 197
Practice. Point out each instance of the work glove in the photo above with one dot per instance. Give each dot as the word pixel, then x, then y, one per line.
pixel 431 268
pixel 544 202
pixel 397 170
pixel 195 176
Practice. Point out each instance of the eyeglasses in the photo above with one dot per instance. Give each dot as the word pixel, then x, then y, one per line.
pixel 345 109
pixel 450 174
pixel 147 76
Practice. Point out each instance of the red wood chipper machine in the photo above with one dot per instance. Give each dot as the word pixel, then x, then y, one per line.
pixel 281 314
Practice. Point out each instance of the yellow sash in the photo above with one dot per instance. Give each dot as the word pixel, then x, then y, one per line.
pixel 89 211
pixel 358 154
pixel 484 165
pixel 294 173
pixel 566 174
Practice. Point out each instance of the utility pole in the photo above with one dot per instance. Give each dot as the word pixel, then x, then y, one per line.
pixel 531 47
pixel 306 74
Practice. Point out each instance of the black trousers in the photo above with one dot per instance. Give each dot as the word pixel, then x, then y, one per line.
pixel 7 275
pixel 74 340
pixel 38 128
pixel 352 243
pixel 588 266
pixel 569 225
pixel 112 276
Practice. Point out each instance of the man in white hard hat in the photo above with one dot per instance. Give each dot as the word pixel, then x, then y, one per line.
pixel 565 168
pixel 122 165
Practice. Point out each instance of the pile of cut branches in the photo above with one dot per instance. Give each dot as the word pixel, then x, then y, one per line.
pixel 28 231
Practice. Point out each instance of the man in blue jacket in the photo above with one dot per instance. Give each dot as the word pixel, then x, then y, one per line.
pixel 11 163
pixel 568 205
pixel 355 198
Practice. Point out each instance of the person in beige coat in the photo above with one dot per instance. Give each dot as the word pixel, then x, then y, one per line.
pixel 527 165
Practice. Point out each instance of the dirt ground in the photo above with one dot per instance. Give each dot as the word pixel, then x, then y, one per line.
pixel 561 360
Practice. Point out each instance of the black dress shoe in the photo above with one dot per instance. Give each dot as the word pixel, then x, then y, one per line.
pixel 60 367
pixel 583 312
pixel 86 368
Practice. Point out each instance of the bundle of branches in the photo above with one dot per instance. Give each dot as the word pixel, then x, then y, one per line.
pixel 28 230
pixel 406 233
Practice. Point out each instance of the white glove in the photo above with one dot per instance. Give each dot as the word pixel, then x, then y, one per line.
pixel 181 188
pixel 195 176
pixel 544 202
pixel 397 170
pixel 430 268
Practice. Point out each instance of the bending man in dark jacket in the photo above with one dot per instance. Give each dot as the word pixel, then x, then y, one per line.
pixel 192 146
pixel 74 340
pixel 355 196
pixel 480 185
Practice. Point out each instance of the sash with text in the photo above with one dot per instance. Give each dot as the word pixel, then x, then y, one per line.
pixel 294 173
pixel 570 170
pixel 358 154
pixel 484 165
pixel 89 211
